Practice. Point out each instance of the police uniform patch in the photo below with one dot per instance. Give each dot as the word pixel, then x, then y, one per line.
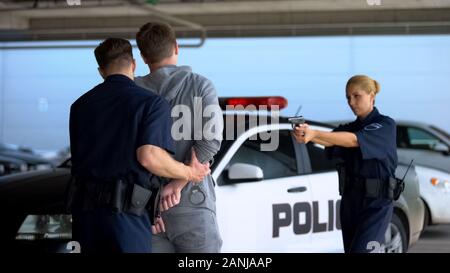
pixel 373 127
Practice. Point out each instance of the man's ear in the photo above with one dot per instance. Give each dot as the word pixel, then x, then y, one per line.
pixel 176 48
pixel 133 65
pixel 101 72
pixel 144 59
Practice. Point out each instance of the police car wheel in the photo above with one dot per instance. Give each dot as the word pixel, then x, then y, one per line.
pixel 395 237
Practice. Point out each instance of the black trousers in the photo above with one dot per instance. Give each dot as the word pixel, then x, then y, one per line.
pixel 364 221
pixel 105 231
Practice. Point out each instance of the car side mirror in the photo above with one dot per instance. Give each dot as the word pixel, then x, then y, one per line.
pixel 441 147
pixel 241 172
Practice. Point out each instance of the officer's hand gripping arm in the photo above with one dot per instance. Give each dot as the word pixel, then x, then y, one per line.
pixel 157 161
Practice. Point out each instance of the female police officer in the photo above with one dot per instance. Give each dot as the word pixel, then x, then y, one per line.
pixel 365 150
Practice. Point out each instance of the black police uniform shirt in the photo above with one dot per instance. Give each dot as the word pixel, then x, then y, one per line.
pixel 109 123
pixel 376 156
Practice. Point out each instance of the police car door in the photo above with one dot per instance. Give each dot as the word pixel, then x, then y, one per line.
pixel 260 196
pixel 326 227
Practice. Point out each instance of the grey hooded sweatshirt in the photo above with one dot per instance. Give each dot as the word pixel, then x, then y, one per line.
pixel 189 95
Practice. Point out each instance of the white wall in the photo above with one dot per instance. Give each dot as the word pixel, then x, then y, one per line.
pixel 38 86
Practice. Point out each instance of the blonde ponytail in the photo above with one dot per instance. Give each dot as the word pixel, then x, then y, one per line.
pixel 364 82
pixel 377 87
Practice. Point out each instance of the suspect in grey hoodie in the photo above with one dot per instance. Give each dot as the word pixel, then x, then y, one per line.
pixel 197 123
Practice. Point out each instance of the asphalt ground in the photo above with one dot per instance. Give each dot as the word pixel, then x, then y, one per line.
pixel 435 239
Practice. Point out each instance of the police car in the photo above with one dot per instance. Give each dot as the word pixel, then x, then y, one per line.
pixel 287 200
pixel 270 198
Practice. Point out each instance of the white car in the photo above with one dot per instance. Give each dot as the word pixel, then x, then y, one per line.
pixel 435 192
pixel 429 146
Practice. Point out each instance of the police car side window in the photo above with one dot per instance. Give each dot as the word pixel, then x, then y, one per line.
pixel 319 160
pixel 275 164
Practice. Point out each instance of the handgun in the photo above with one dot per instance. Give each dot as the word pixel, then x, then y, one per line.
pixel 296 121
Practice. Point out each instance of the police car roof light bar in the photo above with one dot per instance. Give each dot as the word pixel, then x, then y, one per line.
pixel 269 102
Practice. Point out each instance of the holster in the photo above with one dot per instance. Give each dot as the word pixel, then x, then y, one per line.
pixel 375 188
pixel 138 200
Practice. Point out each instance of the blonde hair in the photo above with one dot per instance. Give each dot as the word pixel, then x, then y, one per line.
pixel 364 82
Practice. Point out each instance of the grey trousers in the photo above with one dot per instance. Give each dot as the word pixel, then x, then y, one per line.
pixel 190 232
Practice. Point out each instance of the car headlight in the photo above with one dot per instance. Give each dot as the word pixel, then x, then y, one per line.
pixel 441 184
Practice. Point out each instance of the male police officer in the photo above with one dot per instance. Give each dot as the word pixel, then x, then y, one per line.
pixel 119 136
pixel 191 225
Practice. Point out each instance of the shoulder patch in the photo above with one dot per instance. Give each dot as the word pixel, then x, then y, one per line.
pixel 373 127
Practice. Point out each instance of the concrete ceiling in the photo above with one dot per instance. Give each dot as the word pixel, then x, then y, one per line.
pixel 66 20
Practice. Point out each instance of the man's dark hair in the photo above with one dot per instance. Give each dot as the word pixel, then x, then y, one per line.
pixel 114 50
pixel 156 41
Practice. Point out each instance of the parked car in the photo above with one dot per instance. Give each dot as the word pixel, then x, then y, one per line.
pixel 435 192
pixel 280 200
pixel 10 165
pixel 33 161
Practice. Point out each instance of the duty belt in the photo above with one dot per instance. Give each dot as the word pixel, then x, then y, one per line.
pixel 389 188
pixel 118 195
